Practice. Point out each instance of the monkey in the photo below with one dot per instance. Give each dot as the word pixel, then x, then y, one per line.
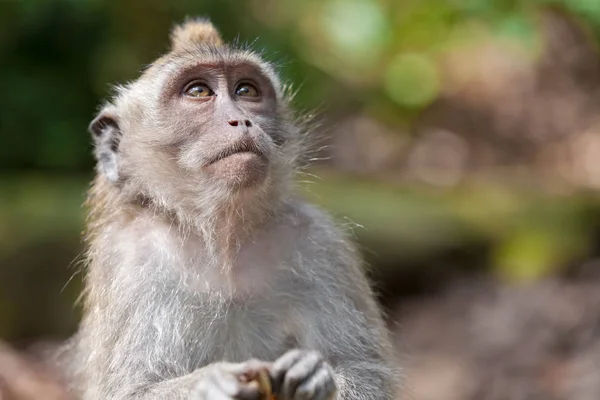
pixel 204 264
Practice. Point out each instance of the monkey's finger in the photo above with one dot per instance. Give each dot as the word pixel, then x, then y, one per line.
pixel 246 366
pixel 299 372
pixel 281 365
pixel 249 391
pixel 225 383
pixel 249 368
pixel 320 386
pixel 227 379
pixel 256 366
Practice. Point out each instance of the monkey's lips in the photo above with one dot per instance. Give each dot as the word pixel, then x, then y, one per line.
pixel 239 155
pixel 244 146
pixel 242 164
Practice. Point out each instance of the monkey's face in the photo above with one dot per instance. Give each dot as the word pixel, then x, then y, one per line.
pixel 223 118
pixel 196 123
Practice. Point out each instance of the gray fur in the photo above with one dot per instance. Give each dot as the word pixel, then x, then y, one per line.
pixel 188 278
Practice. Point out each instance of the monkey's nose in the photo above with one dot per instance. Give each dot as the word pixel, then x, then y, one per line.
pixel 236 122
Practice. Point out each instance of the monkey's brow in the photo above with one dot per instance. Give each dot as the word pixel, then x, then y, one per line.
pixel 226 65
pixel 243 67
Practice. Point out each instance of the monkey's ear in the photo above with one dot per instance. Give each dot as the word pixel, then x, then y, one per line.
pixel 107 135
pixel 194 31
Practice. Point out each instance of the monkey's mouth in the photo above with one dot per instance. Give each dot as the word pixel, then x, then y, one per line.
pixel 246 146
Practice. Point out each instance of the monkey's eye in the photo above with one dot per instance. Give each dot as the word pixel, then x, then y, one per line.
pixel 197 89
pixel 247 90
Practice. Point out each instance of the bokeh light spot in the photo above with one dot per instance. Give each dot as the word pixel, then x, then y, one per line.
pixel 412 80
pixel 358 30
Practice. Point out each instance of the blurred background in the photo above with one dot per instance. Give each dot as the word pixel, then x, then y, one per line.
pixel 460 143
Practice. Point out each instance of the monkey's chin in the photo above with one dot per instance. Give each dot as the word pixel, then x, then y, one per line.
pixel 240 170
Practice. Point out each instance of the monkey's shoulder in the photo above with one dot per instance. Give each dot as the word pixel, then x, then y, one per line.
pixel 312 223
pixel 313 231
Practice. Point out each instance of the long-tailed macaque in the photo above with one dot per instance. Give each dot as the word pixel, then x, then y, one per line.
pixel 203 265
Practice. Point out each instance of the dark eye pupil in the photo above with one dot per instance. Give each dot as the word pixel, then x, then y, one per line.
pixel 244 89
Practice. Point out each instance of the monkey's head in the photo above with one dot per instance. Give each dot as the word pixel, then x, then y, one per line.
pixel 204 122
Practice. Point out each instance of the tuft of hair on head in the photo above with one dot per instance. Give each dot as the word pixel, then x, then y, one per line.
pixel 194 32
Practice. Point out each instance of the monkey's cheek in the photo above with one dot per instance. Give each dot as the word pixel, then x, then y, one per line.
pixel 241 169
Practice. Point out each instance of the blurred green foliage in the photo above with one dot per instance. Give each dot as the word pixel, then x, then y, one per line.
pixel 529 233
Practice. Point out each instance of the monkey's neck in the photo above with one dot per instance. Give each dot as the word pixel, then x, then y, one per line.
pixel 226 229
pixel 232 220
pixel 221 229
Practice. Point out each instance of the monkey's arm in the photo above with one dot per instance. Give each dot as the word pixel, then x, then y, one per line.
pixel 220 380
pixel 357 347
pixel 344 321
pixel 305 374
pixel 365 380
pixel 178 388
pixel 355 353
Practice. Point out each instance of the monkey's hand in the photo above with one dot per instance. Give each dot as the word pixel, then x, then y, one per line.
pixel 228 381
pixel 302 375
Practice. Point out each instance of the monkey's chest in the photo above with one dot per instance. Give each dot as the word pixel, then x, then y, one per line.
pixel 245 312
pixel 239 330
pixel 253 273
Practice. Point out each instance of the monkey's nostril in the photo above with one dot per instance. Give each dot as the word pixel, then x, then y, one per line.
pixel 248 123
pixel 233 123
